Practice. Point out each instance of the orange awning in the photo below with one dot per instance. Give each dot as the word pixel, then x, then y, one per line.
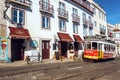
pixel 77 38
pixel 65 37
pixel 19 33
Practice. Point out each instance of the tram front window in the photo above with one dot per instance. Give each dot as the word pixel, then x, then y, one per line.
pixel 94 46
pixel 88 46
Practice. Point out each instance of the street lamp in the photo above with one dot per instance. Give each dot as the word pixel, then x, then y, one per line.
pixel 7 5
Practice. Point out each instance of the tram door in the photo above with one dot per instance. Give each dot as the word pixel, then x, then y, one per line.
pixel 100 50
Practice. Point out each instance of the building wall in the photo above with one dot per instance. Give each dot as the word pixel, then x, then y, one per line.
pixel 35 27
pixel 117 26
pixel 33 22
pixel 2 8
pixel 100 18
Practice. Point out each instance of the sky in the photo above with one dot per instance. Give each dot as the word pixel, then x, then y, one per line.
pixel 112 9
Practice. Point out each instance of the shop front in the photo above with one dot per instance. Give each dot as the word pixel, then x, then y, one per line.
pixel 78 46
pixel 65 45
pixel 18 39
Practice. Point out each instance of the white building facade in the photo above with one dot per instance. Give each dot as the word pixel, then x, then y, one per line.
pixel 99 17
pixel 48 26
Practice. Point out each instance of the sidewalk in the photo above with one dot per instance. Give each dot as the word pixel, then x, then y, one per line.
pixel 24 63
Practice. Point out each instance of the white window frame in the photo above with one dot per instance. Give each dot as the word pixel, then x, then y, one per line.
pixel 46 22
pixel 18 16
pixel 62 25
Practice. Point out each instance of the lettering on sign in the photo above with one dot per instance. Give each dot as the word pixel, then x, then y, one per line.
pixel 20 32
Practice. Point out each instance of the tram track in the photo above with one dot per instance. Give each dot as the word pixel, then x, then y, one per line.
pixel 94 71
pixel 70 69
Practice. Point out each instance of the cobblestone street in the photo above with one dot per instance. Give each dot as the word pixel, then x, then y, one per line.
pixel 72 70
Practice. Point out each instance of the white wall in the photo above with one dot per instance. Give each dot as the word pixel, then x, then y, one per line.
pixel 34 22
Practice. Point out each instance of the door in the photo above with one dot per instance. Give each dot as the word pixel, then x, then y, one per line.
pixel 45 49
pixel 17 50
pixel 100 50
pixel 64 49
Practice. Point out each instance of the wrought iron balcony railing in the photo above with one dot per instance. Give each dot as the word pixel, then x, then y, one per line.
pixel 75 18
pixel 90 24
pixel 63 13
pixel 83 4
pixel 46 7
pixel 26 3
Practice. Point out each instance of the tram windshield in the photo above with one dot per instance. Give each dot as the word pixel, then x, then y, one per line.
pixel 88 45
pixel 91 45
pixel 94 45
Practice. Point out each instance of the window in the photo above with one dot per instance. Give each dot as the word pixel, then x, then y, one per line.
pixel 95 24
pixel 85 31
pixel 62 25
pixel 45 1
pixel 94 45
pixel 90 31
pixel 84 16
pixel 62 8
pixel 61 5
pixel 99 15
pixel 21 0
pixel 75 11
pixel 90 20
pixel 75 28
pixel 117 35
pixel 18 16
pixel 45 22
pixel 88 45
pixel 45 5
pixel 94 10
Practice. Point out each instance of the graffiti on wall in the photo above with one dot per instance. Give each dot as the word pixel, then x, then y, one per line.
pixel 4 49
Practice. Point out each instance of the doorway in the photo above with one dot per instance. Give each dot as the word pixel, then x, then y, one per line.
pixel 64 49
pixel 17 49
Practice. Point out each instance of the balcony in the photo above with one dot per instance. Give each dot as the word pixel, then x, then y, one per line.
pixel 46 7
pixel 62 13
pixel 85 22
pixel 102 30
pixel 26 3
pixel 90 24
pixel 75 18
pixel 83 4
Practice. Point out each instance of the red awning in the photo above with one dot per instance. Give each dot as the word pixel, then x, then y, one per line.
pixel 65 37
pixel 77 38
pixel 19 33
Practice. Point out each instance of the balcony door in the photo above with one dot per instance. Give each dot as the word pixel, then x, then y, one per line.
pixel 62 8
pixel 45 4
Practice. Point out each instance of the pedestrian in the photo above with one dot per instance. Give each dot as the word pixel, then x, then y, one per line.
pixel 27 59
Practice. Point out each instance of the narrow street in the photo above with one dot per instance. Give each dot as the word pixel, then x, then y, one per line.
pixel 78 70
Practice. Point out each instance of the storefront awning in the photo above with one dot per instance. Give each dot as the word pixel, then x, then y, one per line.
pixel 65 37
pixel 19 33
pixel 77 38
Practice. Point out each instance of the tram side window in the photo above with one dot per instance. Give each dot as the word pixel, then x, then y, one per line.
pixel 112 48
pixel 105 47
pixel 94 46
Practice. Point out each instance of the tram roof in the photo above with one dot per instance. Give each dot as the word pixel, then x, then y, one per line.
pixel 98 39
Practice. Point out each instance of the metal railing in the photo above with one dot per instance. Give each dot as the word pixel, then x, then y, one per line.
pixel 46 7
pixel 62 13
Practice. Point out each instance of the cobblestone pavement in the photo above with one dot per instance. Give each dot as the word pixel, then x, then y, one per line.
pixel 65 70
